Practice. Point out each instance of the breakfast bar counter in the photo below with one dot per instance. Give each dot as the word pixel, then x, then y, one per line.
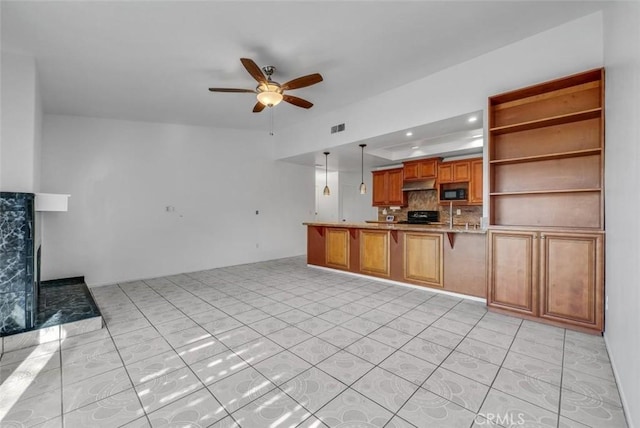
pixel 405 253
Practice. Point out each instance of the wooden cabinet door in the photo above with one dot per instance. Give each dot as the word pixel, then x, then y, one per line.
pixel 461 172
pixel 513 272
pixel 379 192
pixel 337 247
pixel 374 252
pixel 411 171
pixel 571 279
pixel 394 187
pixel 423 258
pixel 445 173
pixel 475 184
pixel 429 168
pixel 421 169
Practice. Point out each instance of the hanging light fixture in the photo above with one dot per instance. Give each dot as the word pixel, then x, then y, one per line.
pixel 363 187
pixel 326 190
pixel 269 94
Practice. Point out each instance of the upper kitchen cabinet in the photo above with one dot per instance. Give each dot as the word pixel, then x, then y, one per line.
pixel 387 188
pixel 546 154
pixel 463 175
pixel 454 172
pixel 475 185
pixel 422 169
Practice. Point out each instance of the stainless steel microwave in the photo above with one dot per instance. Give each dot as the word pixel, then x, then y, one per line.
pixel 453 194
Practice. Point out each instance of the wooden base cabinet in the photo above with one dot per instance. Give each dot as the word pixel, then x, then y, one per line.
pixel 513 279
pixel 374 252
pixel 423 258
pixel 571 276
pixel 337 248
pixel 553 276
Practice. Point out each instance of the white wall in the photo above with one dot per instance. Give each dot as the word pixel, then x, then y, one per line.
pixel 622 184
pixel 570 48
pixel 122 175
pixel 20 135
pixel 327 207
pixel 345 203
pixel 353 206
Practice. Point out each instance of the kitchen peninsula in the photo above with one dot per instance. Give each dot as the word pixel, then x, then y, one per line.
pixel 447 258
pixel 542 254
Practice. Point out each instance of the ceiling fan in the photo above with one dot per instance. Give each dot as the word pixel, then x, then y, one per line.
pixel 270 92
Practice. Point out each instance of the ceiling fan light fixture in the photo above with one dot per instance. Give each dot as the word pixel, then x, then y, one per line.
pixel 269 95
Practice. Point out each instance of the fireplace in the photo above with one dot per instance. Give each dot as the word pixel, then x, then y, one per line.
pixel 19 263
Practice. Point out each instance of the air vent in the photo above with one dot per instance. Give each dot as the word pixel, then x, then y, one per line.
pixel 337 128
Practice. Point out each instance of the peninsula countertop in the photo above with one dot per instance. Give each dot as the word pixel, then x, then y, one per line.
pixel 429 228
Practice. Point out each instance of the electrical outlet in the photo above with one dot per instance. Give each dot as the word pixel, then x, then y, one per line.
pixel 458 211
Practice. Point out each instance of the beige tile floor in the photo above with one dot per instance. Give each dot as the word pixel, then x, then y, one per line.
pixel 279 344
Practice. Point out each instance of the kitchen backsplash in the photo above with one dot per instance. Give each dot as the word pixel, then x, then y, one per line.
pixel 428 200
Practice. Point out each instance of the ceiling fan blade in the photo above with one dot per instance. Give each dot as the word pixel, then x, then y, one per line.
pixel 301 82
pixel 253 69
pixel 258 107
pixel 232 90
pixel 297 101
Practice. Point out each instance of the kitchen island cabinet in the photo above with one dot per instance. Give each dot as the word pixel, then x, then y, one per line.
pixel 337 248
pixel 423 258
pixel 412 254
pixel 374 252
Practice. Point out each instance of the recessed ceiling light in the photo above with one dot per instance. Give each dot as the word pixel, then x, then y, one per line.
pixel 415 147
pixel 472 119
pixel 409 134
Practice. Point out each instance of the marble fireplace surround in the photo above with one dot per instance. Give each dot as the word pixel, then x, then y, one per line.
pixel 32 312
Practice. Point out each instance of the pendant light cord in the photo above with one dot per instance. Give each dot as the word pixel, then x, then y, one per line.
pixel 362 164
pixel 326 169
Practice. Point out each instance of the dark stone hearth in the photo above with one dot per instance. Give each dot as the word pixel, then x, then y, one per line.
pixel 63 301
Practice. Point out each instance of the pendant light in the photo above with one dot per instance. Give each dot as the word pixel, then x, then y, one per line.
pixel 363 187
pixel 326 191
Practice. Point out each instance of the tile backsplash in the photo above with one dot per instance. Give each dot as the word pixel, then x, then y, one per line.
pixel 428 200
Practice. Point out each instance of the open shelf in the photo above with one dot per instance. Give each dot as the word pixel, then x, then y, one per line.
pixel 550 156
pixel 548 121
pixel 547 209
pixel 546 154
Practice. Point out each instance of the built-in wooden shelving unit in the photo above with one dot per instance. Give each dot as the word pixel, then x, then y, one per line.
pixel 546 240
pixel 546 154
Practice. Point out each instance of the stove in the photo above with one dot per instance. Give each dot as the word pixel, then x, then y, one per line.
pixel 421 217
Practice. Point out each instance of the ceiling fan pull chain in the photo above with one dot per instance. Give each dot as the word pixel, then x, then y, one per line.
pixel 271 132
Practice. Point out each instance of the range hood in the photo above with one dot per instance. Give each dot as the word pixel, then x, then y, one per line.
pixel 409 186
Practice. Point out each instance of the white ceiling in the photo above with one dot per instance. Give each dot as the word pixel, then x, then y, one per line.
pixel 154 60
